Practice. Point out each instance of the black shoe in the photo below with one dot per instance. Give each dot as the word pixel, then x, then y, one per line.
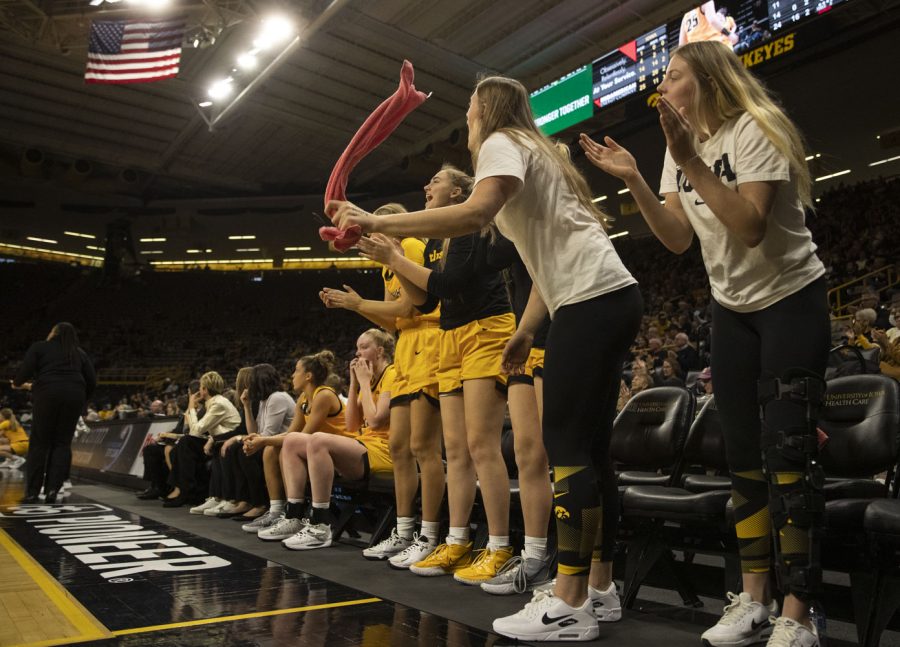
pixel 31 498
pixel 150 493
pixel 177 502
pixel 50 497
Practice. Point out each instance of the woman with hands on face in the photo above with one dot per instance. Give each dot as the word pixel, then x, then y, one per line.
pixel 541 203
pixel 735 175
pixel 316 455
pixel 415 437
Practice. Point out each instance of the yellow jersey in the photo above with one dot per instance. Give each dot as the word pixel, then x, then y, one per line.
pixel 414 250
pixel 335 423
pixel 383 384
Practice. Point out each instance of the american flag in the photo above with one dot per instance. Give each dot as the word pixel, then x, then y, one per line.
pixel 133 51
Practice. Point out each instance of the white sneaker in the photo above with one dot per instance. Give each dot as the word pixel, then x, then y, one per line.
pixel 206 505
pixel 19 461
pixel 743 622
pixel 282 530
pixel 418 549
pixel 311 536
pixel 231 508
pixel 606 604
pixel 213 510
pixel 790 633
pixel 546 617
pixel 263 521
pixel 67 485
pixel 387 547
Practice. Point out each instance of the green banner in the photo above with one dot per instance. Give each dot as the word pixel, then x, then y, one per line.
pixel 565 102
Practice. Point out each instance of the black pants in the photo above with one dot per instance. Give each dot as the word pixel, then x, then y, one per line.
pixel 586 348
pixel 56 411
pixel 746 347
pixel 155 469
pixel 221 481
pixel 247 476
pixel 189 471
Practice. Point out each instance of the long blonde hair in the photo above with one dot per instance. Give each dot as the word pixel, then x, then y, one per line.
pixel 726 89
pixel 7 414
pixel 505 109
pixel 465 183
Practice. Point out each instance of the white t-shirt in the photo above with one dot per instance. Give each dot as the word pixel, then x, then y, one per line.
pixel 747 279
pixel 275 414
pixel 565 249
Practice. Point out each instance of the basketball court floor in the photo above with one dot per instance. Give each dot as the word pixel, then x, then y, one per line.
pixel 103 568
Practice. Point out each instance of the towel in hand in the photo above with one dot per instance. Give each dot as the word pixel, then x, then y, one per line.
pixel 381 123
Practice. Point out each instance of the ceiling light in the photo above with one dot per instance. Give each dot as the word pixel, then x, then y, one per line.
pixel 828 177
pixel 220 89
pixel 275 29
pixel 153 240
pixel 242 237
pixel 78 235
pixel 621 233
pixel 205 104
pixel 95 248
pixel 623 191
pixel 248 249
pixel 247 61
pixel 41 240
pixel 599 198
pixel 151 251
pixel 297 249
pixel 885 161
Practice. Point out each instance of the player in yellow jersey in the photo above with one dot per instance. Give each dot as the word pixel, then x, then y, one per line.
pixel 319 409
pixel 415 439
pixel 372 376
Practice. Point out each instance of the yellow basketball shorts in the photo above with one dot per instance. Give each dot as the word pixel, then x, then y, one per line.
pixel 416 361
pixel 474 351
pixel 534 367
pixel 378 453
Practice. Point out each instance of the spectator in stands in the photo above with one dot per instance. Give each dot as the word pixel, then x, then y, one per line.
pixel 640 377
pixel 655 352
pixel 13 440
pixel 688 358
pixel 189 469
pixel 63 379
pixel 872 299
pixel 91 415
pixel 267 429
pixel 670 374
pixel 860 331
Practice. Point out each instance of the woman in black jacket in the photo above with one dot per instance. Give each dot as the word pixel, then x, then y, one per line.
pixel 62 379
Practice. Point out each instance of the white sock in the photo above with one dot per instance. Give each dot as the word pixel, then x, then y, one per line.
pixel 290 500
pixel 592 592
pixel 324 505
pixel 496 542
pixel 535 547
pixel 276 507
pixel 431 530
pixel 406 526
pixel 458 535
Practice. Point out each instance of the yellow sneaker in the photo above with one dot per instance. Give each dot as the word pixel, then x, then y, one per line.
pixel 444 560
pixel 486 565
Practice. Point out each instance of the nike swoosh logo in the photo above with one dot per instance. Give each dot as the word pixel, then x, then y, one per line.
pixel 699 202
pixel 556 495
pixel 547 620
pixel 754 625
pixel 417 352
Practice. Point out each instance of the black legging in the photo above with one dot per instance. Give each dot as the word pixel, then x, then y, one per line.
pixel 56 411
pixel 221 483
pixel 246 473
pixel 586 348
pixel 792 333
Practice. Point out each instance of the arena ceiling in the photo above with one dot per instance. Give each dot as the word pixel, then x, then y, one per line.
pixel 74 155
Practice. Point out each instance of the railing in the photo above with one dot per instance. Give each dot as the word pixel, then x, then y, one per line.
pixel 834 294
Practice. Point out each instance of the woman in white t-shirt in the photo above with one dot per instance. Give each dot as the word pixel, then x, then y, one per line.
pixel 735 175
pixel 542 204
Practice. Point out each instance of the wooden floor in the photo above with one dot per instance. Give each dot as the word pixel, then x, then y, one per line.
pixel 34 609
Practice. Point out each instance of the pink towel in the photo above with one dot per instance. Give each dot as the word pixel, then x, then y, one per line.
pixel 381 123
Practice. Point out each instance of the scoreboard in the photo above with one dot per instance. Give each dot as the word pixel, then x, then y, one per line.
pixel 639 65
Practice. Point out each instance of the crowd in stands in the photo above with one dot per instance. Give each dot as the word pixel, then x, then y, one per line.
pixel 233 321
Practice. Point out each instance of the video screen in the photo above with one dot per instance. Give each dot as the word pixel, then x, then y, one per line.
pixel 634 67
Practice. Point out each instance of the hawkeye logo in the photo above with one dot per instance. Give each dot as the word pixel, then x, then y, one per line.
pixel 112 546
pixel 561 512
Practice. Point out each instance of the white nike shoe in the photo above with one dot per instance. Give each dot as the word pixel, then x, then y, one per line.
pixel 547 617
pixel 387 547
pixel 212 511
pixel 418 549
pixel 263 521
pixel 743 622
pixel 283 529
pixel 605 605
pixel 790 633
pixel 313 535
